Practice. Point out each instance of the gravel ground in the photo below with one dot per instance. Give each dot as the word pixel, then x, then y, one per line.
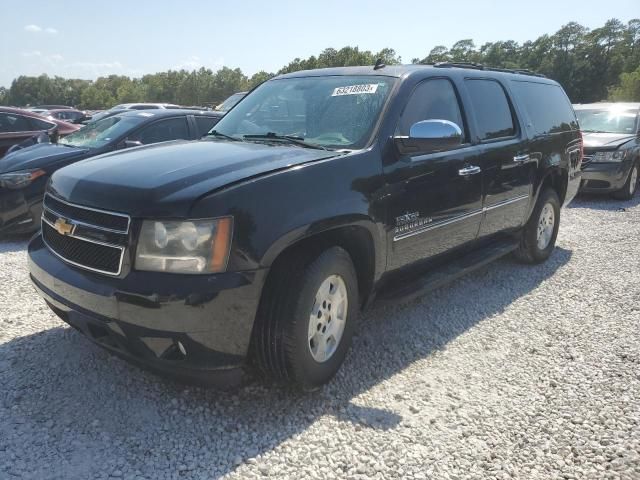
pixel 511 372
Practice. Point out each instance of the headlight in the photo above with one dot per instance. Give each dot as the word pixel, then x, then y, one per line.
pixel 615 156
pixel 20 179
pixel 195 246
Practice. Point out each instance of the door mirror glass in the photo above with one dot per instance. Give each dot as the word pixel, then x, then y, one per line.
pixel 429 136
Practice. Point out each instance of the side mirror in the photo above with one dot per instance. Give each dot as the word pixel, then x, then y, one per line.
pixel 131 143
pixel 429 136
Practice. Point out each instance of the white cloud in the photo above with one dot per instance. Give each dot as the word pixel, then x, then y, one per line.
pixel 194 62
pixel 33 53
pixel 38 29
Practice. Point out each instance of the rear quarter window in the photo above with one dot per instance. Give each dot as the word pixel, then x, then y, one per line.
pixel 547 107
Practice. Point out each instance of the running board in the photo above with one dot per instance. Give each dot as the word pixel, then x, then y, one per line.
pixel 449 272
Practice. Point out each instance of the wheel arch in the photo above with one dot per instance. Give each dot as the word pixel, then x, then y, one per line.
pixel 358 237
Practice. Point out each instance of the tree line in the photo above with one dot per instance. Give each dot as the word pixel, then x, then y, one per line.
pixel 592 65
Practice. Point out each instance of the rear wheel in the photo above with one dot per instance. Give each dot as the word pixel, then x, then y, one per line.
pixel 306 318
pixel 629 189
pixel 539 235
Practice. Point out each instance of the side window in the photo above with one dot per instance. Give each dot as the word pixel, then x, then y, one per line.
pixel 163 131
pixel 205 124
pixel 491 108
pixel 37 124
pixel 14 123
pixel 547 105
pixel 431 100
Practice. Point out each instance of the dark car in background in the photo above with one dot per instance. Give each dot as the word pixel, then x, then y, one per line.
pixel 123 107
pixel 70 115
pixel 18 125
pixel 23 174
pixel 611 133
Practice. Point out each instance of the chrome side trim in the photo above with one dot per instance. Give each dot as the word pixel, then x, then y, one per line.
pixel 433 226
pixel 84 267
pixel 82 207
pixel 506 202
pixel 459 218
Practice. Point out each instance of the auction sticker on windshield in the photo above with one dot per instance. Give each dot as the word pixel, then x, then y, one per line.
pixel 355 89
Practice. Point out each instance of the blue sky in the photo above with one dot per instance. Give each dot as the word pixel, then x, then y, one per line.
pixel 84 39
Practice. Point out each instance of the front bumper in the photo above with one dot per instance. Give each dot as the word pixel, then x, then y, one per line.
pixel 19 212
pixel 604 177
pixel 195 328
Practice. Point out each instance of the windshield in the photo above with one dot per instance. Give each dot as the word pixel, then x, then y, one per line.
pixel 102 132
pixel 608 121
pixel 333 111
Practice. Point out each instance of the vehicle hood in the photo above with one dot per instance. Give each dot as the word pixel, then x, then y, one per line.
pixel 164 180
pixel 41 155
pixel 605 140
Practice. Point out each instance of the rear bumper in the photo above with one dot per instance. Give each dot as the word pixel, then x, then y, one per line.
pixel 604 177
pixel 191 327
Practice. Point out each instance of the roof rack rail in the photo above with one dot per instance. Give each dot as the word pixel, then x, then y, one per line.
pixel 479 66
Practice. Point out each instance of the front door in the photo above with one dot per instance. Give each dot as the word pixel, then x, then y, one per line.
pixel 435 200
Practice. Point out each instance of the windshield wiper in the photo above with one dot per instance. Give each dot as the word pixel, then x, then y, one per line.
pixel 595 131
pixel 215 133
pixel 287 138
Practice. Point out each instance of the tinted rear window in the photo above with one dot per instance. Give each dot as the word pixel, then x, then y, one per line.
pixel 491 108
pixel 547 106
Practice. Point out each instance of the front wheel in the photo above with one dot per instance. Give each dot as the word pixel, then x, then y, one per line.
pixel 307 318
pixel 539 234
pixel 629 189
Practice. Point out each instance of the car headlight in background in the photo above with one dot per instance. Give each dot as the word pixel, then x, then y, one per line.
pixel 615 156
pixel 15 180
pixel 194 246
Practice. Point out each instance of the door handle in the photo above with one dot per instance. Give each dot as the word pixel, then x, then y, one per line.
pixel 470 170
pixel 521 158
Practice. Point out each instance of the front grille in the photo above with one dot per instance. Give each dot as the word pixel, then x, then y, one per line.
pixel 111 221
pixel 85 254
pixel 87 238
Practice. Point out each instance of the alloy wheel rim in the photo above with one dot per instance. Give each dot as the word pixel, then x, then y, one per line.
pixel 327 318
pixel 546 224
pixel 633 183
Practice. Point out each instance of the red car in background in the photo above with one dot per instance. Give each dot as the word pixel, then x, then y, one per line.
pixel 17 126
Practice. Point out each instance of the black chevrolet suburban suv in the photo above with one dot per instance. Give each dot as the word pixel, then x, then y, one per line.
pixel 319 192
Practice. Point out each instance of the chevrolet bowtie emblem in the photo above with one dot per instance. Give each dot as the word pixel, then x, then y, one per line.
pixel 63 228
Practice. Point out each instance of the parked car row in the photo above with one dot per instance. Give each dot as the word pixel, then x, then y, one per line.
pixel 24 173
pixel 316 193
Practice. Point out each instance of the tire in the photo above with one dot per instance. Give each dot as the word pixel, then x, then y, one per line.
pixel 281 344
pixel 630 186
pixel 532 248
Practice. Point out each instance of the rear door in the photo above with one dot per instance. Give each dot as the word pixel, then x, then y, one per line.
pixel 435 202
pixel 507 168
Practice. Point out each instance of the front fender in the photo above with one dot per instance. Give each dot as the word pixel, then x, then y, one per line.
pixel 275 211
